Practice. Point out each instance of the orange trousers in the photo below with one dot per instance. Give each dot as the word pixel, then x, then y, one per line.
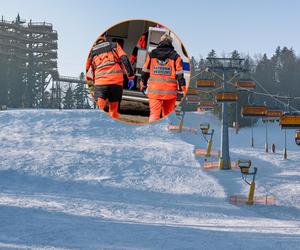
pixel 113 107
pixel 158 107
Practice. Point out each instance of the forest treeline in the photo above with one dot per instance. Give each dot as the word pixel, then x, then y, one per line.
pixel 279 75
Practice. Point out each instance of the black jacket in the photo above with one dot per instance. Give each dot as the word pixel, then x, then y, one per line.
pixel 163 51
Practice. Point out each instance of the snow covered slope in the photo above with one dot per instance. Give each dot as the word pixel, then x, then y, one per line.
pixel 78 179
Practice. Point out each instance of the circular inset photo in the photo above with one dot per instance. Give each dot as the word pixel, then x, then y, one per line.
pixel 138 71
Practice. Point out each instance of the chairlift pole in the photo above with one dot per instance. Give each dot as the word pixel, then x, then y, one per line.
pixel 252 134
pixel 288 108
pixel 285 150
pixel 224 162
pixel 266 143
pixel 236 118
pixel 225 66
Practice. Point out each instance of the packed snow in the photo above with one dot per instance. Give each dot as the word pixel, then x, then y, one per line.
pixel 78 179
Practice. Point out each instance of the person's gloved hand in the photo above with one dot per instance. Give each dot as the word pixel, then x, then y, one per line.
pixel 182 89
pixel 130 84
pixel 143 87
pixel 90 85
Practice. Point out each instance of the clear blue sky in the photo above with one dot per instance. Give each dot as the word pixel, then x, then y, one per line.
pixel 250 26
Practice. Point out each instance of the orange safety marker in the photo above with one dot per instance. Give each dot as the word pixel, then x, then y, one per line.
pixel 258 200
pixel 203 152
pixel 215 164
pixel 176 128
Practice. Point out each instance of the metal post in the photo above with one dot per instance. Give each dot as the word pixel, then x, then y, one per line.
pixel 236 118
pixel 252 137
pixel 266 143
pixel 224 162
pixel 59 95
pixel 285 150
pixel 181 121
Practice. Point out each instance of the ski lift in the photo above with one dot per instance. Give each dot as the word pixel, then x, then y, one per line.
pixel 273 115
pixel 290 121
pixel 206 83
pixel 207 103
pixel 192 91
pixel 297 137
pixel 226 97
pixel 245 85
pixel 193 99
pixel 254 111
pixel 206 80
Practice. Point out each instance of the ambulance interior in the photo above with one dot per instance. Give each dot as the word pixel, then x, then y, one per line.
pixel 128 33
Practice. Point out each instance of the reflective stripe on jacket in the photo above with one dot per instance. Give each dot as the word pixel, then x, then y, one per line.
pixel 105 60
pixel 162 82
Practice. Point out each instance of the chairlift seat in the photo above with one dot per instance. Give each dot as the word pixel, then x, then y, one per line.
pixel 206 83
pixel 290 121
pixel 245 84
pixel 226 97
pixel 254 111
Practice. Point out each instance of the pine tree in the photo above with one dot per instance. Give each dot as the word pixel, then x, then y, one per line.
pixel 235 54
pixel 81 94
pixel 3 82
pixel 212 53
pixel 68 100
pixel 193 72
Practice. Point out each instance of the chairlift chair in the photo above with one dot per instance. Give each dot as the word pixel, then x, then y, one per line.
pixel 254 111
pixel 290 121
pixel 226 97
pixel 206 83
pixel 245 85
pixel 273 115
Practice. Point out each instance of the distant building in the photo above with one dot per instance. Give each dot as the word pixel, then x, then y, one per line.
pixel 29 50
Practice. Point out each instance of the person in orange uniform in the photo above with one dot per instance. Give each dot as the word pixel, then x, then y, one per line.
pixel 141 44
pixel 162 76
pixel 108 62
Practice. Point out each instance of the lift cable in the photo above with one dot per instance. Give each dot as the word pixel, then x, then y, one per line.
pixel 198 74
pixel 210 91
pixel 275 97
pixel 272 96
pixel 267 93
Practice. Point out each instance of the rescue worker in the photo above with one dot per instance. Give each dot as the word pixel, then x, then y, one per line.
pixel 141 44
pixel 162 76
pixel 108 62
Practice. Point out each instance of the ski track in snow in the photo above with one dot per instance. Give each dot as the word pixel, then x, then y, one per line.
pixel 78 179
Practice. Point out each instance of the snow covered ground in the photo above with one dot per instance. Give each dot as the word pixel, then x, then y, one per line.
pixel 80 180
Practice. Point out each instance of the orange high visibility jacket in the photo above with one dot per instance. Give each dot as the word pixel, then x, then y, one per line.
pixel 141 44
pixel 163 76
pixel 109 62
